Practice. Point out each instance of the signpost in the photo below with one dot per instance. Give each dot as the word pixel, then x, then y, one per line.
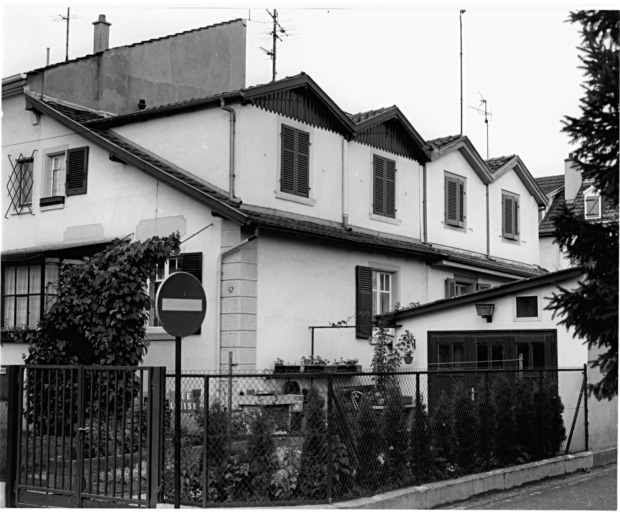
pixel 181 305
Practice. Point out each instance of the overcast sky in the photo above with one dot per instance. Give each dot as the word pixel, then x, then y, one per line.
pixel 522 59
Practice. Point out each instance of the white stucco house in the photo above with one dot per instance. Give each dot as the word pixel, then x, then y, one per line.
pixel 293 213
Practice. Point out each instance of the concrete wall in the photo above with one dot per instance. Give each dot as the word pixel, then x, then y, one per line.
pixel 304 284
pixel 551 257
pixel 524 249
pixel 193 64
pixel 602 414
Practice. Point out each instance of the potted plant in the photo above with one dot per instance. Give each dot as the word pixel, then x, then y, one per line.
pixel 281 367
pixel 347 365
pixel 314 364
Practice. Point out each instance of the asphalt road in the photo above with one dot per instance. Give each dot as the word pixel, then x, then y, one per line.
pixel 596 490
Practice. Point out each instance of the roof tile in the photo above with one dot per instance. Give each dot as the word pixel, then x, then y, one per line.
pixel 550 183
pixel 442 141
pixel 495 164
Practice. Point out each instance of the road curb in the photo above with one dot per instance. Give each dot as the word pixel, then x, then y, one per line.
pixel 440 493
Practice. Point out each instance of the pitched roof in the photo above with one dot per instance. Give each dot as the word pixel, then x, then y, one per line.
pixel 495 164
pixel 140 43
pixel 550 183
pixel 79 115
pixel 496 291
pixel 547 226
pixel 369 114
pixel 440 142
pixel 129 152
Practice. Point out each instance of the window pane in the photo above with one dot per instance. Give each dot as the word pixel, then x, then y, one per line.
pixel 538 350
pixel 21 306
pixel 9 280
pixel 482 355
pixel 527 307
pixel 22 279
pixel 444 356
pixel 35 311
pixel 9 312
pixel 458 354
pixel 497 356
pixel 35 279
pixel 51 278
pixel 385 302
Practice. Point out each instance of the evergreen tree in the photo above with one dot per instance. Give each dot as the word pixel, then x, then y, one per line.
pixel 592 308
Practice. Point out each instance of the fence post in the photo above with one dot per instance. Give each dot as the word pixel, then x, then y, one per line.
pixel 541 432
pixel 156 387
pixel 487 410
pixel 205 469
pixel 417 391
pixel 585 405
pixel 329 475
pixel 12 433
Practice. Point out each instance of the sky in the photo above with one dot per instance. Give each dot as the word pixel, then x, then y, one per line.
pixel 521 58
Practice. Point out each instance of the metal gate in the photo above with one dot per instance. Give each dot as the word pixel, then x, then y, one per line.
pixel 86 436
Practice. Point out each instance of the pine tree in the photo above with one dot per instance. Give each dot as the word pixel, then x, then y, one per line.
pixel 592 308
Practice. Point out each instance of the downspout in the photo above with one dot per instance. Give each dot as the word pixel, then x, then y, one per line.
pixel 424 205
pixel 231 165
pixel 218 292
pixel 345 195
pixel 488 227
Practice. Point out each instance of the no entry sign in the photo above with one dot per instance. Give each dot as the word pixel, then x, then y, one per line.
pixel 181 304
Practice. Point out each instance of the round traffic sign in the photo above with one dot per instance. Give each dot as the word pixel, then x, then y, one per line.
pixel 181 304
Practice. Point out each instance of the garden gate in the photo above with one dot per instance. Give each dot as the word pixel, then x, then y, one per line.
pixel 84 436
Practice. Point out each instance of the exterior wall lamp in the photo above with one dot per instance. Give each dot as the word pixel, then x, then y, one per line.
pixel 485 311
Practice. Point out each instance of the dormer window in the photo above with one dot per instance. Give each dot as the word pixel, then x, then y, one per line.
pixel 592 206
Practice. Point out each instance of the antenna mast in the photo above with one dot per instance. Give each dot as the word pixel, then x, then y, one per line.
pixel 274 33
pixel 461 23
pixel 66 18
pixel 487 115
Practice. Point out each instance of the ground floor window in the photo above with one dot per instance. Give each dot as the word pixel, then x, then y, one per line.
pixel 492 350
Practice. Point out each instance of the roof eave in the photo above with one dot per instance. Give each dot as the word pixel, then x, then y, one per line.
pixel 498 291
pixel 215 205
pixel 525 176
pixel 469 152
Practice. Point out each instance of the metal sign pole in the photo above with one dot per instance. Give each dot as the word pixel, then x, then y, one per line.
pixel 177 423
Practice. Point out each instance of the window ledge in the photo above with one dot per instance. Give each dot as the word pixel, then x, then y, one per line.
pixel 510 240
pixel 158 334
pixel 52 203
pixel 308 201
pixel 387 220
pixel 528 319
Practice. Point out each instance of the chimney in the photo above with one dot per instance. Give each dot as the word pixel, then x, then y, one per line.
pixel 572 178
pixel 102 34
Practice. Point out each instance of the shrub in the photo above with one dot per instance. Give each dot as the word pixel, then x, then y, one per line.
pixel 261 454
pixel 396 467
pixel 370 448
pixel 466 428
pixel 313 471
pixel 422 458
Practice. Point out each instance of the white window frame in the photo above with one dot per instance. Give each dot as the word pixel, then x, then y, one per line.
pixel 538 316
pixel 161 274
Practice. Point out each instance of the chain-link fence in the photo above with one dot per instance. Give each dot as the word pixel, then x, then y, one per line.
pixel 269 438
pixel 4 414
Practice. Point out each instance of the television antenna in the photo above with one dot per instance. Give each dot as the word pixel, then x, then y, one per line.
pixel 66 18
pixel 277 29
pixel 487 116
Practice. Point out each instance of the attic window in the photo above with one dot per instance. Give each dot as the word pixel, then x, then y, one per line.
pixel 592 207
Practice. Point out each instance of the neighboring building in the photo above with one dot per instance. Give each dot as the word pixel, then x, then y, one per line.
pixel 586 202
pixel 295 213
pixel 521 333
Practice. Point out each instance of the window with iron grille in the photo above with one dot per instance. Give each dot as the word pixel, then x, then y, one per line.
pixel 20 185
pixel 510 216
pixel 455 192
pixel 384 186
pixel 295 161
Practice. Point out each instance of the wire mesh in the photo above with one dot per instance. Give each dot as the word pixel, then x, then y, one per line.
pixel 4 415
pixel 267 438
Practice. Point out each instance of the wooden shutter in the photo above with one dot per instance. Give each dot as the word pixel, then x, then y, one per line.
pixel 363 302
pixel 454 201
pixel 192 264
pixel 510 213
pixel 295 171
pixel 379 181
pixel 287 177
pixel 450 288
pixel 303 163
pixel 384 186
pixel 77 171
pixel 390 188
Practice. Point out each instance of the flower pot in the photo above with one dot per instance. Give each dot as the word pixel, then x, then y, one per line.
pixel 408 359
